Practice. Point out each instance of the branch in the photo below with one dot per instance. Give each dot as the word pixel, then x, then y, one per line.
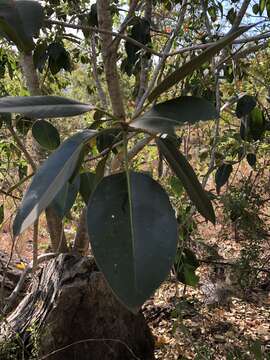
pixel 100 90
pixel 110 58
pixel 13 296
pixel 163 58
pixel 240 15
pixel 182 50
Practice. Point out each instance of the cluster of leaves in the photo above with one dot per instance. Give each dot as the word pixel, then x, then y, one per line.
pixel 253 126
pixel 131 222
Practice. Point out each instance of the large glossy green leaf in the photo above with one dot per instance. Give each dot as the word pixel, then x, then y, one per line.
pixel 46 134
pixel 49 180
pixel 186 174
pixel 195 63
pixel 43 106
pixel 66 197
pixel 164 117
pixel 133 234
pixel 20 21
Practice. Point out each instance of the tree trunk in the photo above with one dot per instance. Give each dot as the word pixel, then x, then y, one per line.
pixel 76 316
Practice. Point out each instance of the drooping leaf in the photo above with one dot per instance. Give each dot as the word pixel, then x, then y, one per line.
pixel 59 58
pixel 185 266
pixel 87 181
pixel 195 63
pixel 244 105
pixel 64 200
pixel 43 106
pixel 251 159
pixel 46 134
pixel 40 56
pixel 187 176
pixel 20 21
pixel 49 180
pixel 164 117
pixel 133 234
pixel 222 175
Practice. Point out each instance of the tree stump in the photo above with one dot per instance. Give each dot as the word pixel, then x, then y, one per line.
pixel 76 316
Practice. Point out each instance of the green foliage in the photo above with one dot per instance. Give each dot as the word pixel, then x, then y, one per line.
pixel 131 223
pixel 222 176
pixel 166 116
pixel 49 180
pixel 185 266
pixel 46 134
pixel 20 21
pixel 133 233
pixel 195 63
pixel 63 201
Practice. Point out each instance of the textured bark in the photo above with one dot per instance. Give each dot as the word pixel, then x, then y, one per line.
pixel 72 307
pixel 109 55
pixel 81 243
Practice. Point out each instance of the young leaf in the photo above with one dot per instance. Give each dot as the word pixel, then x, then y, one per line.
pixel 49 180
pixel 43 106
pixel 46 134
pixel 165 116
pixel 133 235
pixel 222 175
pixel 195 63
pixel 187 176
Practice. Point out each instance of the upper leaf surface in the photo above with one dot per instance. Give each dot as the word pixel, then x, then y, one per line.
pixel 133 235
pixel 165 116
pixel 43 106
pixel 49 180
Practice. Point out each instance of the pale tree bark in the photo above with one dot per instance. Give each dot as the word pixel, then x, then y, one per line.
pixel 109 56
pixel 55 227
